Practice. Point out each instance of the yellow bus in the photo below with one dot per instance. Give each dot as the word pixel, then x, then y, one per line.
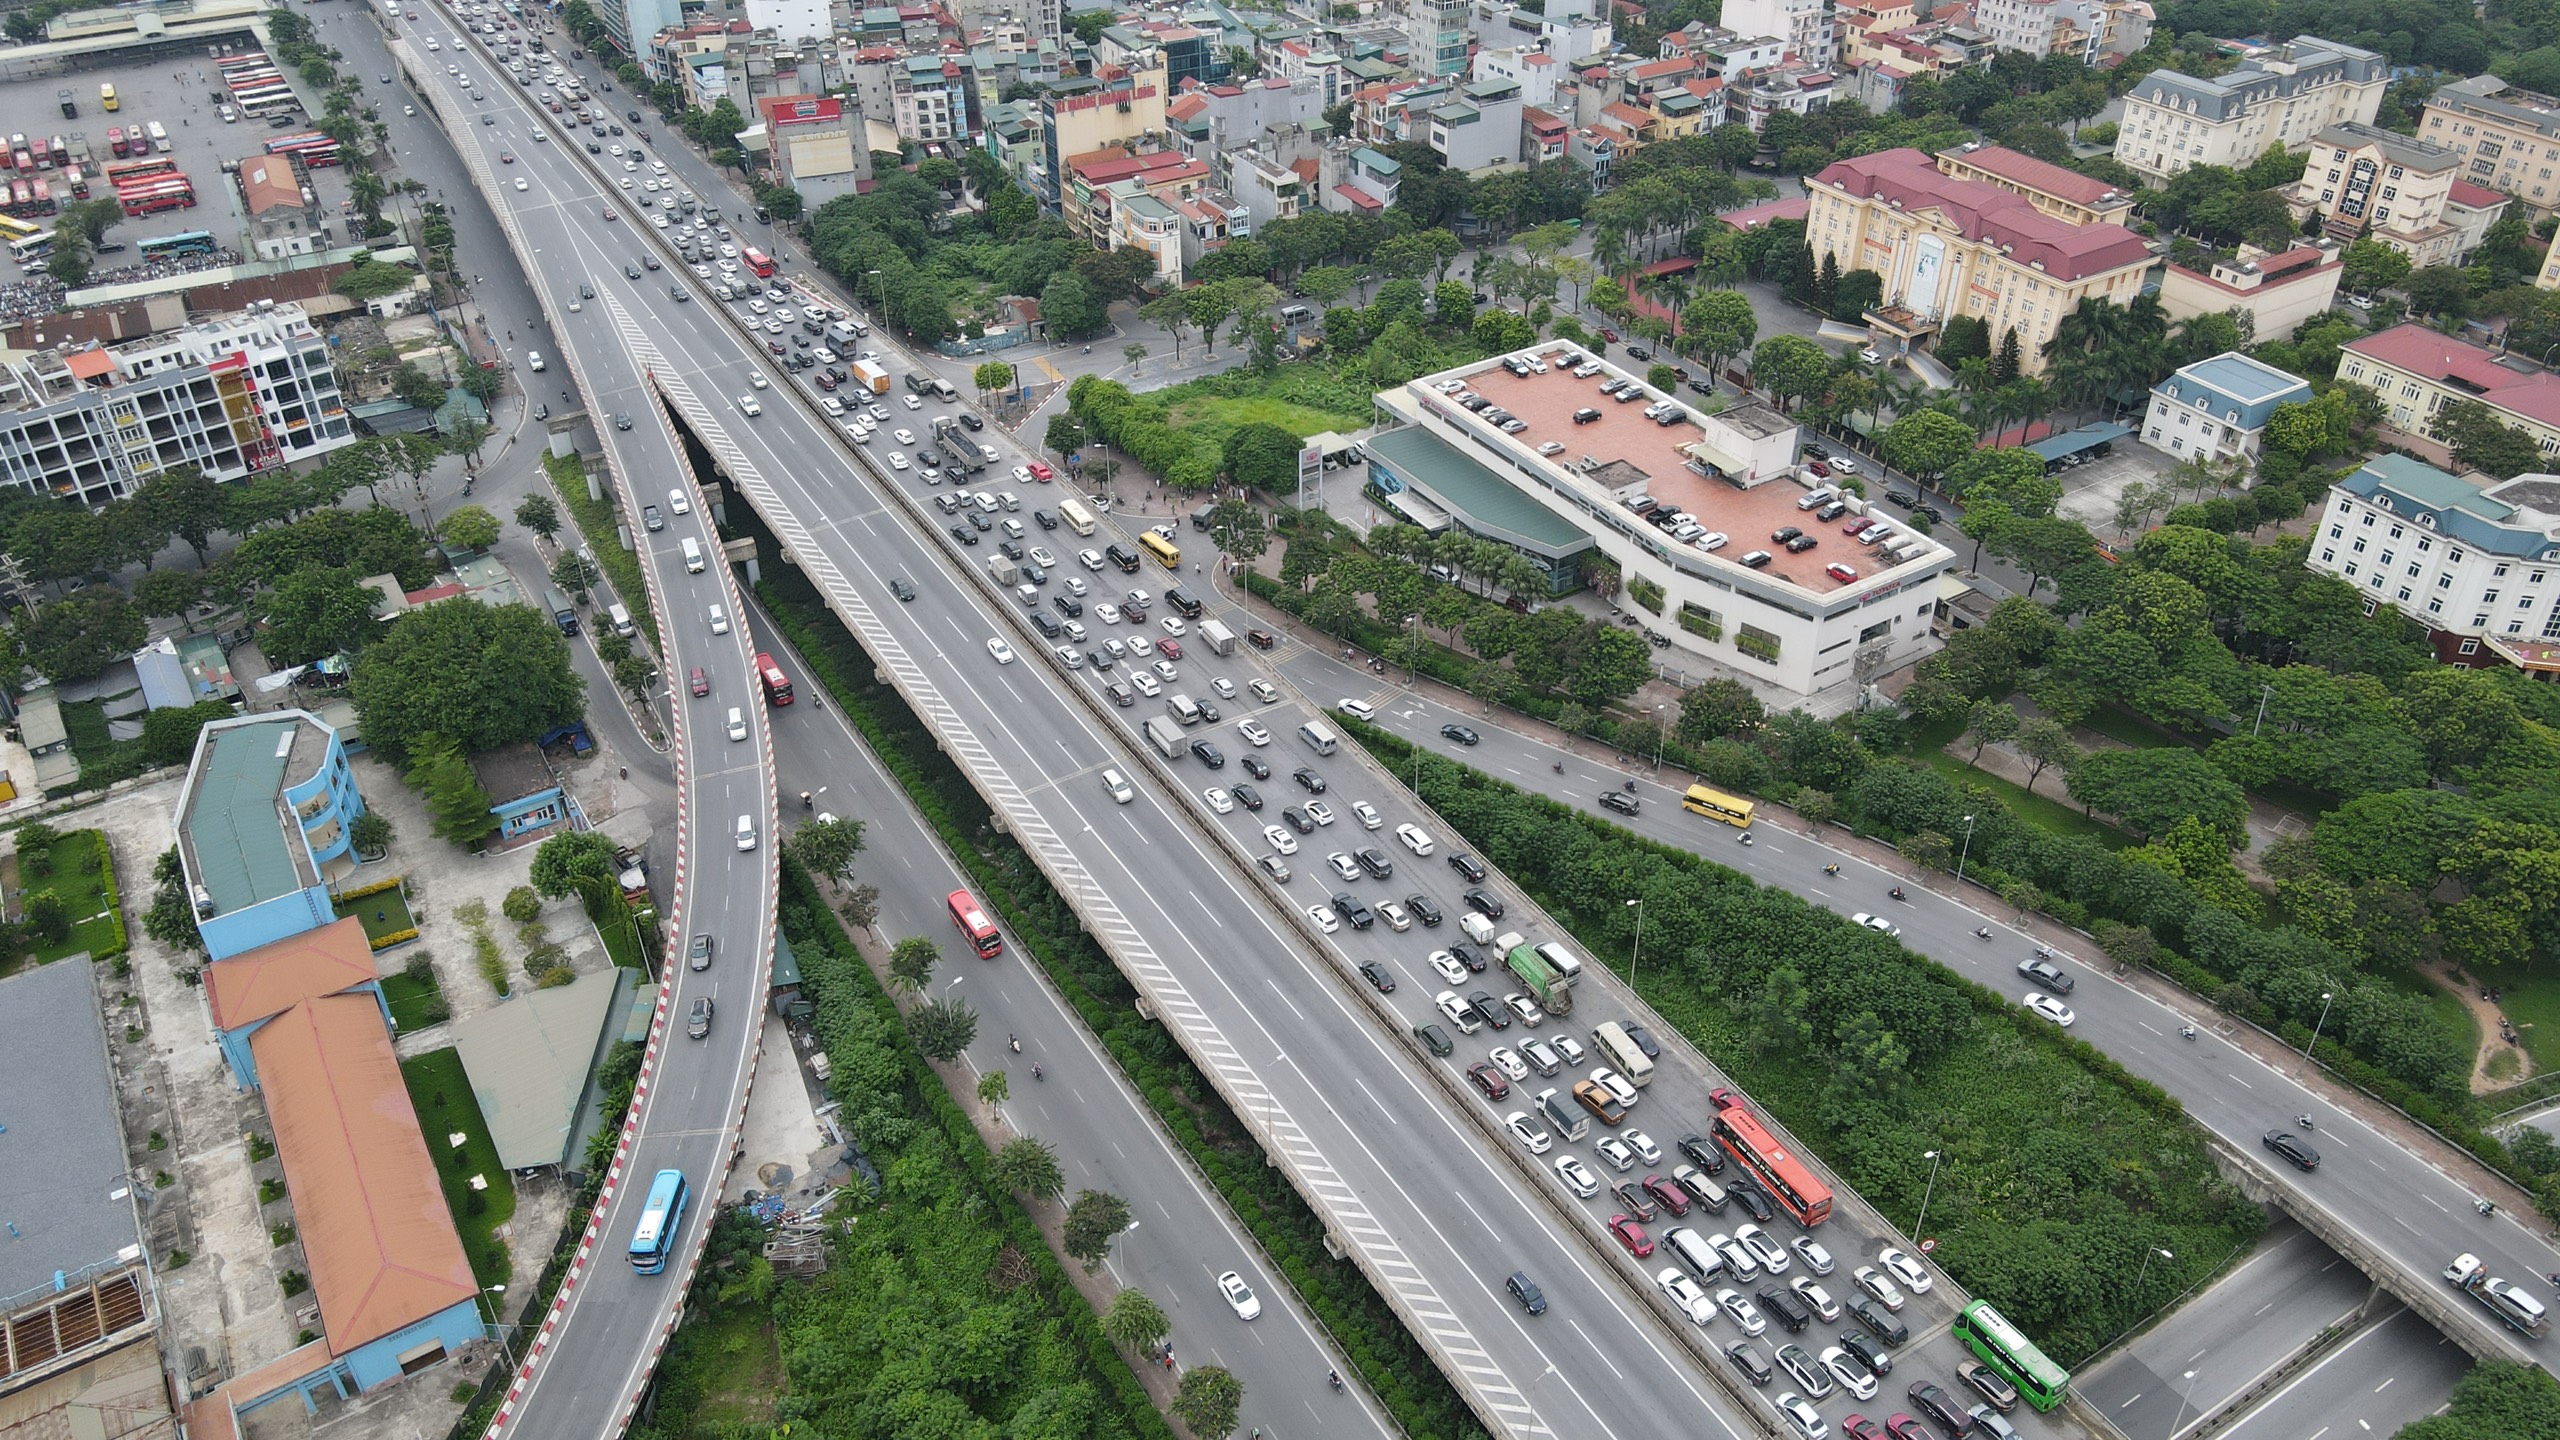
pixel 13 228
pixel 1717 805
pixel 1166 552
pixel 107 97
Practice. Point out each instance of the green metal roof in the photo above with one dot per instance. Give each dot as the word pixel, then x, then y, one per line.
pixel 1480 498
pixel 232 826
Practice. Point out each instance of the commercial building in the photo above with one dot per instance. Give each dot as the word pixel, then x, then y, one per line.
pixel 819 146
pixel 2275 292
pixel 232 397
pixel 1112 107
pixel 933 97
pixel 2509 139
pixel 1948 247
pixel 2066 195
pixel 632 22
pixel 263 828
pixel 2474 560
pixel 2366 182
pixel 2216 410
pixel 2085 30
pixel 1805 26
pixel 284 218
pixel 2173 121
pixel 1575 486
pixel 1436 32
pixel 2416 372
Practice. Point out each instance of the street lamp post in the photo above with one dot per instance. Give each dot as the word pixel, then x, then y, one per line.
pixel 1925 1192
pixel 1636 950
pixel 498 1323
pixel 1967 853
pixel 1657 738
pixel 2145 1272
pixel 2315 1031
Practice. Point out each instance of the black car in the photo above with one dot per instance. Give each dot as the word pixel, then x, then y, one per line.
pixel 1491 1011
pixel 1785 533
pixel 1940 1407
pixel 899 587
pixel 1256 766
pixel 978 519
pixel 1526 1291
pixel 1210 755
pixel 1752 1198
pixel 1435 1039
pixel 1424 908
pixel 1377 976
pixel 1482 902
pixel 2047 975
pixel 1753 1365
pixel 1620 801
pixel 1371 859
pixel 621 421
pixel 1869 1349
pixel 698 1024
pixel 679 294
pixel 1308 780
pixel 1246 795
pixel 1298 819
pixel 1702 1153
pixel 1465 864
pixel 1643 1038
pixel 1068 605
pixel 1903 498
pixel 697 956
pixel 1353 913
pixel 1467 955
pixel 964 534
pixel 630 272
pixel 2291 1147
pixel 1047 624
pixel 972 421
pixel 1880 1322
pixel 1459 733
pixel 1045 520
pixel 1802 543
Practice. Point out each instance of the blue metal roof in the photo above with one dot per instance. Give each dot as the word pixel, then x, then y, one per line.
pixel 2453 507
pixel 2234 389
pixel 2087 437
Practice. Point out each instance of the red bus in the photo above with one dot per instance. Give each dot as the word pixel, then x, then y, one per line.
pixel 151 198
pixel 757 260
pixel 777 686
pixel 973 922
pixel 77 180
pixel 132 170
pixel 1740 1134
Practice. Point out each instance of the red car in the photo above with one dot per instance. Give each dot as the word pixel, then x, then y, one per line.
pixel 1903 1427
pixel 1857 523
pixel 609 215
pixel 701 682
pixel 1631 1235
pixel 1818 468
pixel 1859 1427
pixel 1169 647
pixel 1608 334
pixel 1042 472
pixel 826 381
pixel 1724 1099
pixel 1668 1194
pixel 1490 1081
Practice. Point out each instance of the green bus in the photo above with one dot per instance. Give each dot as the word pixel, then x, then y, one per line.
pixel 2005 1348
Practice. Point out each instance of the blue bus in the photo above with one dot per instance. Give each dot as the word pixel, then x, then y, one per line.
pixel 660 1220
pixel 164 247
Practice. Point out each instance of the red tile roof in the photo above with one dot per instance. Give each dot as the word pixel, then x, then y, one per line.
pixel 2512 386
pixel 2037 174
pixel 1361 198
pixel 1984 212
pixel 275 977
pixel 2478 197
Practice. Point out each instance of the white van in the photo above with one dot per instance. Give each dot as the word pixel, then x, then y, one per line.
pixel 1692 1250
pixel 1622 1053
pixel 1184 709
pixel 534 362
pixel 621 618
pixel 719 621
pixel 692 556
pixel 1320 737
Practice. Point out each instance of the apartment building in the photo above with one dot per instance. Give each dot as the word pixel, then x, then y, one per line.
pixel 819 144
pixel 1948 246
pixel 2408 194
pixel 2275 292
pixel 1805 26
pixel 2085 30
pixel 2416 372
pixel 1308 60
pixel 2216 410
pixel 2474 560
pixel 2174 121
pixel 1794 88
pixel 232 397
pixel 632 22
pixel 1436 32
pixel 1102 184
pixel 2509 139
pixel 1111 107
pixel 932 97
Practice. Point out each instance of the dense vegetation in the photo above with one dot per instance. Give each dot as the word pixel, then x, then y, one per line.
pixel 2498 1400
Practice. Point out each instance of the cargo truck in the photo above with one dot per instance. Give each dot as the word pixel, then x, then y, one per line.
pixel 957 446
pixel 2514 1308
pixel 1003 571
pixel 1219 639
pixel 871 377
pixel 563 614
pixel 1553 989
pixel 1166 736
pixel 1564 1114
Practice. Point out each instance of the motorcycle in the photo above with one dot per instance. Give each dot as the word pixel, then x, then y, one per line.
pixel 2302 1120
pixel 1982 933
pixel 806 800
pixel 1895 892
pixel 1015 1041
pixel 2486 1208
pixel 1746 837
pixel 1629 787
pixel 1336 1377
pixel 1035 1069
pixel 1830 869
pixel 2187 1032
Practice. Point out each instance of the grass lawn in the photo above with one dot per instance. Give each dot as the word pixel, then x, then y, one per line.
pixel 2530 994
pixel 383 913
pixel 442 1094
pixel 1299 420
pixel 729 1351
pixel 84 724
pixel 2126 728
pixel 2035 809
pixel 595 521
pixel 410 999
pixel 78 874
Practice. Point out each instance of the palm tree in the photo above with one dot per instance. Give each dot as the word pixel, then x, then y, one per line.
pixel 2093 325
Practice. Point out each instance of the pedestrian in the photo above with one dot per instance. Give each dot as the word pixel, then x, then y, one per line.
pixel 378 914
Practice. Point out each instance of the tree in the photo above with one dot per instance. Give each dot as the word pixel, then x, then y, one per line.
pixel 1790 367
pixel 1135 1322
pixel 1094 1220
pixel 2372 266
pixel 168 593
pixel 827 847
pixel 182 502
pixel 2044 742
pixel 575 573
pixel 78 637
pixel 313 614
pixel 47 917
pixel 537 514
pixel 483 675
pixel 457 804
pixel 1239 530
pixel 470 527
pixel 1208 1400
pixel 1262 456
pixel 2481 441
pixel 1719 325
pixel 1925 444
pixel 1989 723
pixel 1027 1167
pixel 573 863
pixel 1065 435
pixel 994 1089
pixel 993 375
pixel 1070 307
pixel 943 1028
pixel 169 733
pixel 2152 790
pixel 2439 290
pixel 1717 709
pixel 911 963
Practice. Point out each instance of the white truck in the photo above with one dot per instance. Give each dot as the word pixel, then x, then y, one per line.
pixel 1219 639
pixel 1563 1113
pixel 2514 1308
pixel 1165 735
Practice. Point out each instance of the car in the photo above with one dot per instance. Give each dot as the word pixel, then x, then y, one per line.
pixel 1602 1105
pixel 1988 1383
pixel 1746 1358
pixel 621 421
pixel 2047 974
pixel 1876 1283
pixel 1525 1290
pixel 1614 1153
pixel 1489 1080
pixel 1373 860
pixel 1809 1250
pixel 1254 732
pixel 1397 918
pixel 1263 690
pixel 1225 687
pixel 1002 652
pixel 1246 795
pixel 1424 908
pixel 1751 1198
pixel 1702 1153
pixel 1272 865
pixel 1367 814
pixel 698 1023
pixel 1239 1296
pixel 1319 812
pixel 1866 1347
pixel 1685 1295
pixel 1255 766
pixel 650 517
pixel 1460 733
pixel 1468 956
pixel 1877 923
pixel 1448 967
pixel 1299 820
pixel 1801 1367
pixel 1209 755
pixel 1219 800
pixel 1089 558
pixel 1482 902
pixel 1487 1011
pixel 1106 612
pixel 1343 865
pixel 1879 1321
pixel 1668 1194
pixel 897 460
pixel 1744 1268
pixel 1526 1131
pixel 1628 1232
pixel 1620 801
pixel 523 184
pixel 697 954
pixel 2296 1153
pixel 1636 1199
pixel 1281 840
pixel 1577 1176
pixel 1566 1045
pixel 1803 1421
pixel 1644 1040
pixel 1852 1374
pixel 1324 918
pixel 1764 1247
pixel 2048 1007
pixel 1414 839
pixel 1308 780
pixel 1940 1407
pixel 1173 625
pixel 1816 1297
pixel 1526 1008
pixel 1902 1427
pixel 1907 1269
pixel 1744 1315
pixel 1356 709
pixel 701 682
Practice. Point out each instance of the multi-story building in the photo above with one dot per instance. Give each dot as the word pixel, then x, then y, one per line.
pixel 2066 195
pixel 630 23
pixel 1113 107
pixel 2173 122
pixel 2276 293
pixel 1948 247
pixel 1436 32
pixel 1308 60
pixel 791 19
pixel 2367 182
pixel 1794 88
pixel 2416 372
pixel 2509 139
pixel 1535 71
pixel 2216 410
pixel 231 397
pixel 2473 559
pixel 283 218
pixel 2082 29
pixel 1269 188
pixel 932 97
pixel 2549 279
pixel 1101 183
pixel 1804 25
pixel 819 146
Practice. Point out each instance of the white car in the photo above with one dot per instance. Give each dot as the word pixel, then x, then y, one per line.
pixel 911 402
pixel 1913 1275
pixel 1686 1296
pixel 1369 818
pixel 1075 586
pixel 897 460
pixel 1240 1296
pixel 1616 1156
pixel 1842 465
pixel 1219 800
pixel 903 436
pixel 1021 474
pixel 1815 1298
pixel 1802 1418
pixel 1877 923
pixel 1449 966
pixel 1344 866
pixel 1745 1269
pixel 1225 687
pixel 1165 669
pixel 2048 1007
pixel 1712 540
pixel 1263 690
pixel 1873 1281
pixel 521 183
pixel 1253 731
pixel 1616 1084
pixel 1853 1377
pixel 1324 918
pixel 1742 1312
pixel 1764 1247
pixel 1508 1061
pixel 1526 1131
pixel 678 502
pixel 1356 709
pixel 1172 625
pixel 1287 844
pixel 1811 1252
pixel 833 406
pixel 1414 839
pixel 999 649
pixel 1641 1143
pixel 1089 559
pixel 1319 812
pixel 1041 557
pixel 1106 612
pixel 1577 1176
